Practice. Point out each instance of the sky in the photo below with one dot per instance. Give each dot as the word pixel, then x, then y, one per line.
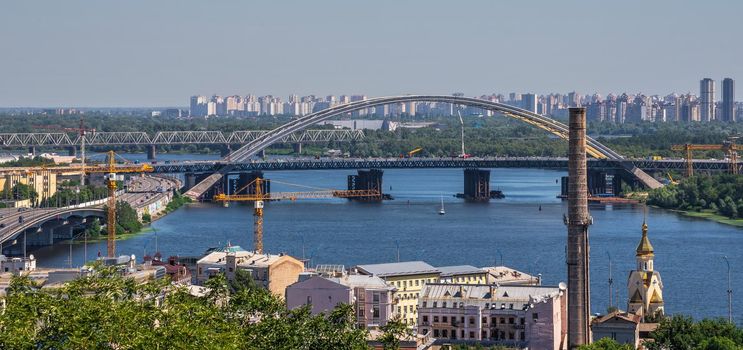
pixel 105 53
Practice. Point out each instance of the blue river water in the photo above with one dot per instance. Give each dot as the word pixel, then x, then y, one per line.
pixel 511 231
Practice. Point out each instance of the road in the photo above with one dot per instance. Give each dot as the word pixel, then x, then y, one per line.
pixel 141 191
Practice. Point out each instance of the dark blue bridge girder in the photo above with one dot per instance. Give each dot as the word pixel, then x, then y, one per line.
pixel 428 163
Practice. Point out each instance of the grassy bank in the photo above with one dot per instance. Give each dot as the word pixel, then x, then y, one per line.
pixel 710 215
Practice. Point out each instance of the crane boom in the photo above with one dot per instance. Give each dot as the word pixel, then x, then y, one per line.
pixel 729 147
pixel 258 197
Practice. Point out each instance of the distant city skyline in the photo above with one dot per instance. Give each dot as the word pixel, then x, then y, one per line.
pixel 86 53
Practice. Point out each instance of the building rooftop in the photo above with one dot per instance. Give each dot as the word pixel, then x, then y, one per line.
pixel 447 271
pixel 486 292
pixel 397 269
pixel 507 275
pixel 244 258
pixel 361 281
pixel 617 316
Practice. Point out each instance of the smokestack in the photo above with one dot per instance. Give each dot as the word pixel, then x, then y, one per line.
pixel 579 296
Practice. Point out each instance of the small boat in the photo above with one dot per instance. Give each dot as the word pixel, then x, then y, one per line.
pixel 442 211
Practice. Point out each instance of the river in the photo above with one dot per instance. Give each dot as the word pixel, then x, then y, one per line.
pixel 512 231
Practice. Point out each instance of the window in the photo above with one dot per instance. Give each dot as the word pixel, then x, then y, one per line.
pixel 399 309
pixel 444 319
pixel 511 320
pixel 535 316
pixel 510 306
pixel 510 335
pixel 425 319
pixel 484 320
pixel 309 299
pixel 502 320
pixel 614 335
pixel 521 320
pixel 424 304
pixel 472 335
pixel 435 319
pixel 443 304
pixel 444 333
pixel 487 305
pixel 375 297
pixel 375 311
pixel 405 284
pixel 493 321
pixel 361 313
pixel 434 304
pixel 484 335
pixel 416 283
pixel 405 309
pixel 461 334
pixel 462 320
pixel 435 333
pixel 472 320
pixel 522 336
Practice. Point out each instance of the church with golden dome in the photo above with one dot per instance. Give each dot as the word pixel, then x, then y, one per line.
pixel 644 286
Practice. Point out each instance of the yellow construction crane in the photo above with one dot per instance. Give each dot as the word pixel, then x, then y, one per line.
pixel 414 151
pixel 258 197
pixel 729 147
pixel 110 169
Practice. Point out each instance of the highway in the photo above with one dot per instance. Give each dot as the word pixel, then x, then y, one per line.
pixel 141 191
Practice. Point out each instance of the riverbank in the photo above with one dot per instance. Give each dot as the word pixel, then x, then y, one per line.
pixel 709 215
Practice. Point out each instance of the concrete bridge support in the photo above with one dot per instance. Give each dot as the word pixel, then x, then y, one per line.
pixel 367 180
pixel 32 151
pixel 72 151
pixel 241 183
pixel 225 151
pixel 297 148
pixel 476 185
pixel 151 152
pixel 190 181
pixel 600 183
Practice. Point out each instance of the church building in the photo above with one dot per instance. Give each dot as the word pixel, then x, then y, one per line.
pixel 645 288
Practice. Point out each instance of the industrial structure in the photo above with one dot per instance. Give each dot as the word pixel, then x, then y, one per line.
pixel 578 220
pixel 729 147
pixel 258 196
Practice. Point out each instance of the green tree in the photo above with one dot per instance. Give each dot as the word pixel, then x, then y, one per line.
pixel 606 344
pixel 392 332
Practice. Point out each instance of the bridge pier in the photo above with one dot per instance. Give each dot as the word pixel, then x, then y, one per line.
pixel 151 152
pixel 72 151
pixel 297 148
pixel 32 151
pixel 190 181
pixel 476 185
pixel 225 151
pixel 367 180
pixel 600 183
pixel 236 181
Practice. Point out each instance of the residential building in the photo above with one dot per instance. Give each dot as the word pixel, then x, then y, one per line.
pixel 529 102
pixel 17 265
pixel 271 271
pixel 728 100
pixel 644 285
pixel 707 99
pixel 466 274
pixel 408 278
pixel 512 315
pixel 44 183
pixel 620 326
pixel 370 297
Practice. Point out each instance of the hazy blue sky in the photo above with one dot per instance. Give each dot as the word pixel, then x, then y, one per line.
pixel 155 53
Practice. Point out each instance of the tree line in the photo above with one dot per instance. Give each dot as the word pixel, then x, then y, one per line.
pixel 720 194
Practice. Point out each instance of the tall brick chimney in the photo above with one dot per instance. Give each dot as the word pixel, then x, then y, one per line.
pixel 577 220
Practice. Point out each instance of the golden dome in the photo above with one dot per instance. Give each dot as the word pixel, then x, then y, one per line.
pixel 644 248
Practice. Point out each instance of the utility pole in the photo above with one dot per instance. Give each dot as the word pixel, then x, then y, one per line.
pixel 730 292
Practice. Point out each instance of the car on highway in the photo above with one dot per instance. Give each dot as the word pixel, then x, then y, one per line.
pixel 20 219
pixel 2 225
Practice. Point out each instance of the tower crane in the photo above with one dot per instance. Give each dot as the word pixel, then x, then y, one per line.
pixel 461 124
pixel 110 169
pixel 259 197
pixel 81 131
pixel 729 147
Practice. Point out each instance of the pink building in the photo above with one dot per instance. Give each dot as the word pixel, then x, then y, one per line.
pixel 370 296
pixel 512 315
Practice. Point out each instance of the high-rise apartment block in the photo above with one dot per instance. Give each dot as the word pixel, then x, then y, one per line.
pixel 707 99
pixel 728 100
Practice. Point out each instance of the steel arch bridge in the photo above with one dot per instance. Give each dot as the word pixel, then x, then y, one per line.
pixel 594 148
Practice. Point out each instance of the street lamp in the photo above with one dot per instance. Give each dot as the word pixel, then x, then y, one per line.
pixel 730 292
